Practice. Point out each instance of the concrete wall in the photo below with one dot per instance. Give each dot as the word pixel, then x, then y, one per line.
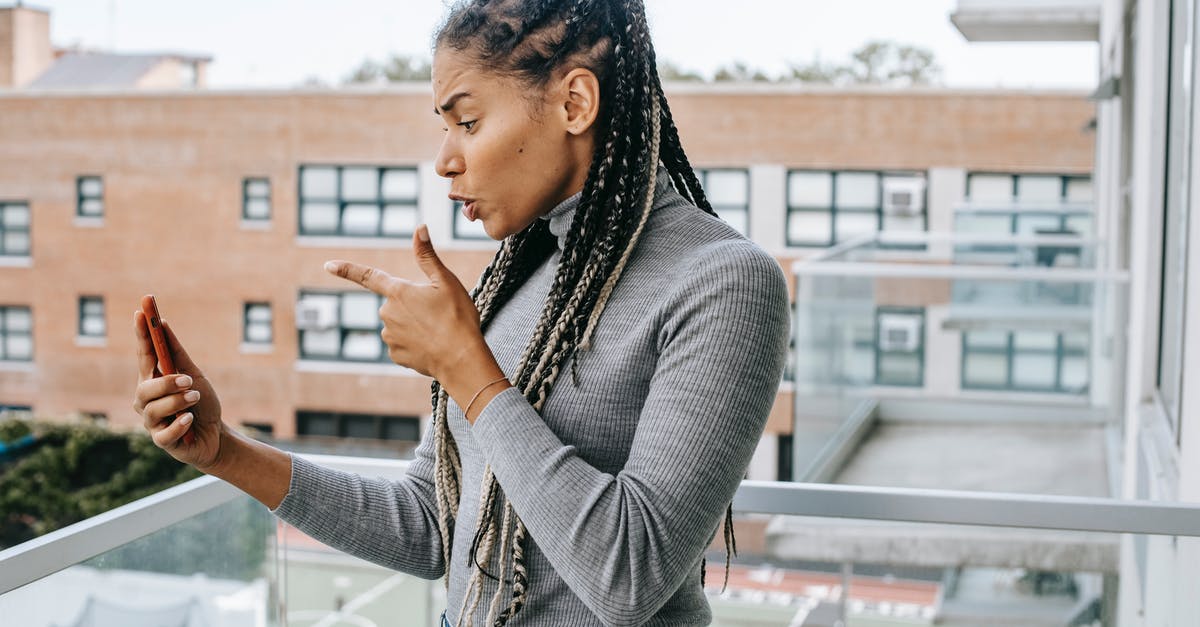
pixel 25 50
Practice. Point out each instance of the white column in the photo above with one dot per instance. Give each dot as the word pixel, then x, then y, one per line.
pixel 768 205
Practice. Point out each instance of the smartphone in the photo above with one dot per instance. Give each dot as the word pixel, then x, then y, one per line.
pixel 159 338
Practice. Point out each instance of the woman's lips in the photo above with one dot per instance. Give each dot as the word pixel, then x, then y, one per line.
pixel 468 210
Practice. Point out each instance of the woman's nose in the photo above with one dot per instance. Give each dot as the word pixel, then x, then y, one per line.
pixel 449 162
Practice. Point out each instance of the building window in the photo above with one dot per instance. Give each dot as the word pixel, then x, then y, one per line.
pixel 362 426
pixel 15 412
pixel 256 199
pixel 789 368
pixel 91 316
pixel 1027 361
pixel 90 197
pixel 358 201
pixel 256 323
pixel 16 333
pixel 900 346
pixel 783 463
pixel 14 229
pixel 342 326
pixel 728 191
pixel 827 207
pixel 1026 204
pixel 466 229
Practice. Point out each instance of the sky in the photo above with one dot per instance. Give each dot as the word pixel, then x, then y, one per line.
pixel 281 43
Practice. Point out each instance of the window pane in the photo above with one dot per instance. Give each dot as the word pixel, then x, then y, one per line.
pixel 810 189
pixel 258 332
pixel 358 426
pixel 316 424
pixel 1075 341
pixel 1075 374
pixel 91 207
pixel 857 190
pixel 982 223
pixel 93 325
pixel 1079 190
pixel 93 307
pixel 1030 224
pixel 899 369
pixel 737 218
pixel 1080 224
pixel 1035 340
pixel 902 224
pixel 985 369
pixel 1040 189
pixel 860 365
pixel 319 218
pixel 16 216
pixel 851 224
pixel 399 184
pixel 1034 370
pixel 18 347
pixel 18 319
pixel 258 188
pixel 16 243
pixel 360 184
pixel 361 220
pixel 994 188
pixel 258 209
pixel 321 343
pixel 397 428
pixel 258 313
pixel 726 187
pixel 360 310
pixel 400 220
pixel 810 227
pixel 362 345
pixel 318 183
pixel 987 339
pixel 91 186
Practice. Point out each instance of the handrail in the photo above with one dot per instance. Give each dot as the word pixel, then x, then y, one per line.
pixel 71 545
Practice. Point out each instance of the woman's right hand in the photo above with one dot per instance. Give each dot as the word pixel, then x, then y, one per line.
pixel 159 397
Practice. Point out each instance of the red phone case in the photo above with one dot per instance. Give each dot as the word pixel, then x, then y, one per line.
pixel 159 338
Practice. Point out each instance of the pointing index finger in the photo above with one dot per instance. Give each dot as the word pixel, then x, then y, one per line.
pixel 369 277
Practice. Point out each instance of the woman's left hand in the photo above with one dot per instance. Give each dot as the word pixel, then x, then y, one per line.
pixel 429 327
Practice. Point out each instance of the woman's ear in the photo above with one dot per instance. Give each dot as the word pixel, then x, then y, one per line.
pixel 581 100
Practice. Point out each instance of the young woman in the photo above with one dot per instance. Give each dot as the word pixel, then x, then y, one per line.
pixel 597 396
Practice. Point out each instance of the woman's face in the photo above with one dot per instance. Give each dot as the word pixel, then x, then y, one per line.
pixel 511 156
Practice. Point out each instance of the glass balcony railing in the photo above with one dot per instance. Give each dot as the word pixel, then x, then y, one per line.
pixel 204 554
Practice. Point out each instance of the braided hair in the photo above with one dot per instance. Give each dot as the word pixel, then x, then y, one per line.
pixel 532 40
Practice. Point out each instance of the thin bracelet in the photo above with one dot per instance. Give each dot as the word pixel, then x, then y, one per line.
pixel 468 408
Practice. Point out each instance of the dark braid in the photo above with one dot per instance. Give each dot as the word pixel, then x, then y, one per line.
pixel 533 41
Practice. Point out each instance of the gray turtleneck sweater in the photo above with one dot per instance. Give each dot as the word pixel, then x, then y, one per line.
pixel 623 479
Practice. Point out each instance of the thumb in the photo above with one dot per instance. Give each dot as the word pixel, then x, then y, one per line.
pixel 427 257
pixel 183 362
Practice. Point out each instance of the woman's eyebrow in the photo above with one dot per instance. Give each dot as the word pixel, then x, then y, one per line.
pixel 449 104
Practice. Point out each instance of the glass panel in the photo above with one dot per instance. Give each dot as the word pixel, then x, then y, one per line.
pixel 360 310
pixel 18 319
pixel 91 207
pixel 358 426
pixel 982 223
pixel 258 188
pixel 360 183
pixel 317 424
pixel 362 345
pixel 1035 340
pixel 360 220
pixel 810 227
pixel 851 224
pixel 1034 370
pixel 91 186
pixel 1080 224
pixel 399 184
pixel 1079 190
pixel 990 188
pixel 899 369
pixel 258 208
pixel 1032 188
pixel 92 306
pixel 987 339
pixel 16 216
pixel 810 189
pixel 1075 374
pixel 990 369
pixel 318 183
pixel 258 332
pixel 901 224
pixel 1029 224
pixel 18 347
pixel 93 325
pixel 857 190
pixel 400 219
pixel 395 428
pixel 726 187
pixel 258 313
pixel 16 243
pixel 1075 341
pixel 737 218
pixel 321 343
pixel 318 218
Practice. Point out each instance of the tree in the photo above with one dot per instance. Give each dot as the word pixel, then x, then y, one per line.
pixel 668 71
pixel 740 72
pixel 876 62
pixel 397 68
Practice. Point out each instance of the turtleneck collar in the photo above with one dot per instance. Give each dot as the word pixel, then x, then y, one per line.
pixel 563 213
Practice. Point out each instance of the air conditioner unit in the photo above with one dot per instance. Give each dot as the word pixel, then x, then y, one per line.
pixel 316 314
pixel 903 195
pixel 899 333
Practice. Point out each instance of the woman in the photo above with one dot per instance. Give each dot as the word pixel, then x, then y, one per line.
pixel 597 396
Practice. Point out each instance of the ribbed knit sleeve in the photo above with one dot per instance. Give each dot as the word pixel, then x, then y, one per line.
pixel 624 543
pixel 391 523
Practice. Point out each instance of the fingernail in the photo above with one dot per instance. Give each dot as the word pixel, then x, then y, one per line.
pixel 191 396
pixel 423 233
pixel 330 266
pixel 185 419
pixel 183 381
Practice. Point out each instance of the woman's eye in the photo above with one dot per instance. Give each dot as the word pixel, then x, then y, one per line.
pixel 467 124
